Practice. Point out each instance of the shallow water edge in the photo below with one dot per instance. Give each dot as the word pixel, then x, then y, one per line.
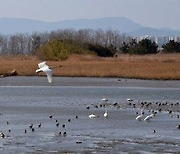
pixel 59 115
pixel 87 81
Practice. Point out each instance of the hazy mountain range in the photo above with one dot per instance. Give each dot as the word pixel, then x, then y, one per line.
pixel 124 25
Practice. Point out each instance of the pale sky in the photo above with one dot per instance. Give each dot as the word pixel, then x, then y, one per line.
pixel 152 13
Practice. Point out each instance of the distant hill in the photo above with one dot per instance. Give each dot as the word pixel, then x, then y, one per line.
pixel 124 25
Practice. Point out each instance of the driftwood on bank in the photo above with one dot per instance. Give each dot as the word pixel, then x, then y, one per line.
pixel 11 73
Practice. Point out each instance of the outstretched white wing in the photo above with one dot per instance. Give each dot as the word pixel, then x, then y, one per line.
pixel 42 64
pixel 45 68
pixel 48 72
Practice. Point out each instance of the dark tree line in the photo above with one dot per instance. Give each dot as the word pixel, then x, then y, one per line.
pixel 111 39
pixel 171 46
pixel 28 44
pixel 144 46
pixel 147 46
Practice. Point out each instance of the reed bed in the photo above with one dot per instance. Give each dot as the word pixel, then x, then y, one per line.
pixel 157 66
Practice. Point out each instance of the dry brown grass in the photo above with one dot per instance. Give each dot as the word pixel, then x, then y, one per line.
pixel 159 66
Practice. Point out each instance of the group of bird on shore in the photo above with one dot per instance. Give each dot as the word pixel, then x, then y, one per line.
pixel 35 127
pixel 43 67
pixel 147 118
pixel 152 109
pixel 140 116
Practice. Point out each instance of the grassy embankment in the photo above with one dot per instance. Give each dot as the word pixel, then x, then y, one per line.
pixel 157 66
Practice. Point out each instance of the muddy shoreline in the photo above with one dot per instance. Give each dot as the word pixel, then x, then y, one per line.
pixel 87 81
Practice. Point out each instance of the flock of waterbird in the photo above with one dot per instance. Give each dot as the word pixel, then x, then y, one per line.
pixel 147 118
pixel 140 116
pixel 35 127
pixel 43 67
pixel 151 109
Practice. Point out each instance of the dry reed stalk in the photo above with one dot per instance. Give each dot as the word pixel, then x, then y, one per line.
pixel 159 66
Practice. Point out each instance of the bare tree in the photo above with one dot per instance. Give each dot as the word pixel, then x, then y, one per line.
pixel 28 44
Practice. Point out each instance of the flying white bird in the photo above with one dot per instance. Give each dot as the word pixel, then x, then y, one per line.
pixel 46 69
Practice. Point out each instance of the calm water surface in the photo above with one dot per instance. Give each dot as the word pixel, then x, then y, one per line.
pixel 27 100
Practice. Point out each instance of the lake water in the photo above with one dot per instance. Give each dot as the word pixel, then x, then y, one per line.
pixel 31 100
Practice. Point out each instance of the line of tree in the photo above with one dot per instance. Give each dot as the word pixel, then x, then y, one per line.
pixel 56 49
pixel 28 44
pixel 145 46
pixel 171 46
pixel 101 42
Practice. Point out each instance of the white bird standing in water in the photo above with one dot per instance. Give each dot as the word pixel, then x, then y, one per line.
pixel 149 117
pixel 104 99
pixel 93 116
pixel 106 114
pixel 139 117
pixel 46 69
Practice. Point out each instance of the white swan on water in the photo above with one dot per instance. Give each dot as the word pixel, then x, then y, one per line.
pixel 139 117
pixel 104 99
pixel 46 69
pixel 106 114
pixel 93 116
pixel 129 99
pixel 147 118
